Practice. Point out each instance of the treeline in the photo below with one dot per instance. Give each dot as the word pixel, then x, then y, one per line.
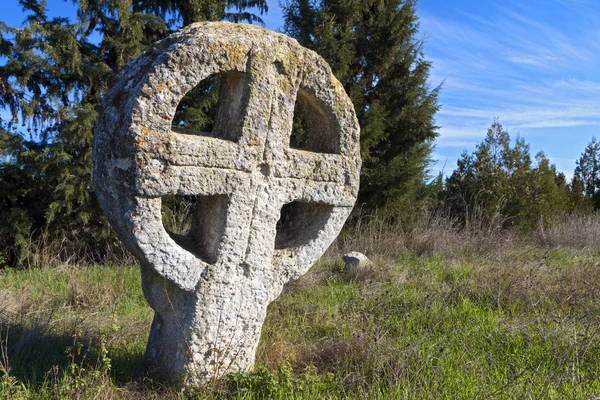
pixel 501 185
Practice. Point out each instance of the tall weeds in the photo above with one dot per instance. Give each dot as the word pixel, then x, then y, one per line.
pixel 573 230
pixel 41 249
pixel 439 233
pixel 436 232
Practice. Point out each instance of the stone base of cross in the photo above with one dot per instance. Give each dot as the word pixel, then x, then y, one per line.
pixel 266 210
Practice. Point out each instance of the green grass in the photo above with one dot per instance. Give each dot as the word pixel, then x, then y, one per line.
pixel 429 329
pixel 520 324
pixel 69 330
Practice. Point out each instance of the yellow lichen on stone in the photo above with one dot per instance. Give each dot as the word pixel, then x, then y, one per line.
pixel 139 141
pixel 339 89
pixel 309 69
pixel 237 57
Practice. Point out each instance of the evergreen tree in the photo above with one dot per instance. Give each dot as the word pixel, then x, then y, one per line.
pixel 498 185
pixel 586 178
pixel 549 197
pixel 478 188
pixel 373 49
pixel 54 76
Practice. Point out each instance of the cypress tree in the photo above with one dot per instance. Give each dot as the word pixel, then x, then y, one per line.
pixel 52 81
pixel 373 49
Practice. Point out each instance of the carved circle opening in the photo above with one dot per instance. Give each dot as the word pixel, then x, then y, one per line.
pixel 214 107
pixel 314 128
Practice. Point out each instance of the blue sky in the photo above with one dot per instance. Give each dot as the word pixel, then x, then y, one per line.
pixel 533 64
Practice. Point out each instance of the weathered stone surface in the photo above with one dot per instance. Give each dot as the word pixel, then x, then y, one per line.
pixel 355 261
pixel 210 288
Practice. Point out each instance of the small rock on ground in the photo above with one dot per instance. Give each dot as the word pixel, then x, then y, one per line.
pixel 355 261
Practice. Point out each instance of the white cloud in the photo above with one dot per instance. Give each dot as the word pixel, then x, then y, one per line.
pixel 529 117
pixel 546 60
pixel 449 142
pixel 462 132
pixel 557 124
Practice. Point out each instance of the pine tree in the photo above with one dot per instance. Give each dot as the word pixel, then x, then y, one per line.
pixel 586 177
pixel 54 77
pixel 373 49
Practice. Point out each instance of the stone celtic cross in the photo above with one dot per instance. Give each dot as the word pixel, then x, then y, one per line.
pixel 266 211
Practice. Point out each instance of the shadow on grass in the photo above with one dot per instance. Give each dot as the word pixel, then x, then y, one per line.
pixel 37 354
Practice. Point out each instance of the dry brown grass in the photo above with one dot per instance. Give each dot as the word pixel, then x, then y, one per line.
pixel 378 237
pixel 43 250
pixel 573 230
pixel 280 351
pixel 439 234
pixel 15 304
pixel 93 294
pixel 538 282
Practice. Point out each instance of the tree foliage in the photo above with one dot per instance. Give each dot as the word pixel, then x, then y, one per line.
pixel 53 75
pixel 499 185
pixel 586 177
pixel 373 49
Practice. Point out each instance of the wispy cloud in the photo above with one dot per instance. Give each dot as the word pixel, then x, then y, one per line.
pixel 544 60
pixel 462 132
pixel 556 123
pixel 534 65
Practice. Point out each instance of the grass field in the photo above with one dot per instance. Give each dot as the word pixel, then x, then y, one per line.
pixel 519 322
